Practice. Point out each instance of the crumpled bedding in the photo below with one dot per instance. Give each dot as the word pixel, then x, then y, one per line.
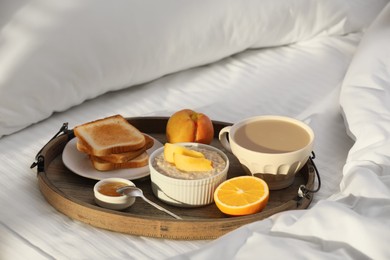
pixel 354 223
pixel 348 218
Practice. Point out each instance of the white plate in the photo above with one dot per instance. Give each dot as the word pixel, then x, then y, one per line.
pixel 80 164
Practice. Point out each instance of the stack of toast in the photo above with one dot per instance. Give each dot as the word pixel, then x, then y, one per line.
pixel 113 143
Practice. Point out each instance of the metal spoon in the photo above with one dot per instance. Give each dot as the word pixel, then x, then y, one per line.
pixel 137 192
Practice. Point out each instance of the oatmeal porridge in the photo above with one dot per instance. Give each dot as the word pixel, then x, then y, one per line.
pixel 170 170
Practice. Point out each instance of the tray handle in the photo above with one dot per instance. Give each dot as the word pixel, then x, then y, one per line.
pixel 40 158
pixel 304 192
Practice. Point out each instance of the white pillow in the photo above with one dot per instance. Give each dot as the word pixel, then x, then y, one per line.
pixel 57 54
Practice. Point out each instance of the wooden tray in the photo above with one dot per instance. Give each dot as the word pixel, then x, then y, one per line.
pixel 72 195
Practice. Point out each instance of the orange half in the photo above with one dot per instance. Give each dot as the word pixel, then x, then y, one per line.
pixel 242 195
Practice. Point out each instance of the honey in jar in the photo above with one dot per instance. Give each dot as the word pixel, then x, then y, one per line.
pixel 109 188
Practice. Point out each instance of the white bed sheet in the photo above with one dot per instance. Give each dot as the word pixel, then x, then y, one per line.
pixel 302 80
pixel 353 223
pixel 237 87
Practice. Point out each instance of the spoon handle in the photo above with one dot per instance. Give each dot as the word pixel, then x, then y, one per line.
pixel 160 208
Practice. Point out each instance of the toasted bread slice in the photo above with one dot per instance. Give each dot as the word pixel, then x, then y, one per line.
pixel 119 157
pixel 128 156
pixel 101 165
pixel 109 135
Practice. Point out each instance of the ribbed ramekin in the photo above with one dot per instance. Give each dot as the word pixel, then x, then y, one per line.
pixel 183 192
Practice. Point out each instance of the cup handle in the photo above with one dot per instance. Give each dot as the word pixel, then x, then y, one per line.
pixel 223 138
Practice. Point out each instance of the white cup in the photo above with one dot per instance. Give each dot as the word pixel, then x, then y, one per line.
pixel 271 147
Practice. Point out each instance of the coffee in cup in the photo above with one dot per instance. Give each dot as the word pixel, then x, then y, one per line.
pixel 274 148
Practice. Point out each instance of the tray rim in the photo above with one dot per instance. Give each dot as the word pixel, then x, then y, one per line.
pixel 160 228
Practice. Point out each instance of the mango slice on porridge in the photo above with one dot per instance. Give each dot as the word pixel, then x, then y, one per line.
pixel 191 164
pixel 171 149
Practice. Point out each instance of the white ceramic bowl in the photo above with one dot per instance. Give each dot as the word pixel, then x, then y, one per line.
pixel 183 192
pixel 113 202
